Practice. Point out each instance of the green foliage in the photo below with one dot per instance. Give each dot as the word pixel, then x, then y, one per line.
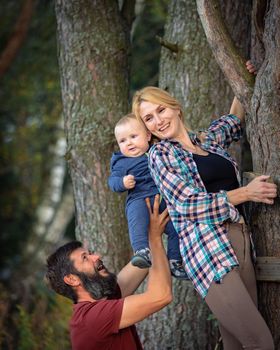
pixel 26 338
pixel 30 108
pixel 145 46
pixel 43 325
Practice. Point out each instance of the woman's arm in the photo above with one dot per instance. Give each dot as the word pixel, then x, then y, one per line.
pixel 237 109
pixel 258 190
pixel 225 130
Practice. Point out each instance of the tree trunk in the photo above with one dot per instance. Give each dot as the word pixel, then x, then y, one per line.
pixel 189 72
pixel 263 129
pixel 93 58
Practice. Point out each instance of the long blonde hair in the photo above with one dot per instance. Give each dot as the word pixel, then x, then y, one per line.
pixel 154 95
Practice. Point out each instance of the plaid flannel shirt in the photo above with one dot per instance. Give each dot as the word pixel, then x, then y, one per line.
pixel 199 217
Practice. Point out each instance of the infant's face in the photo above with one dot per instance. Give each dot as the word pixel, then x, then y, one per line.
pixel 133 138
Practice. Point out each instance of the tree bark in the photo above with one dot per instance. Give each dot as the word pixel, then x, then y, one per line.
pixel 93 57
pixel 225 50
pixel 188 70
pixel 263 129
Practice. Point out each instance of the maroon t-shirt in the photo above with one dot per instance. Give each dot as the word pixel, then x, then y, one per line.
pixel 95 326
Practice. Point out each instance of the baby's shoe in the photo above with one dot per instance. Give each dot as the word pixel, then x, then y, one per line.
pixel 142 258
pixel 177 269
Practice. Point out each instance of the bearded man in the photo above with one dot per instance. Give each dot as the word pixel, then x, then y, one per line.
pixel 105 309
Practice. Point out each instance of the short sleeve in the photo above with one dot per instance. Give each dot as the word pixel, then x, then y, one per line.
pixel 104 317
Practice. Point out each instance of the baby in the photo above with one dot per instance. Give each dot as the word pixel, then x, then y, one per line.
pixel 130 172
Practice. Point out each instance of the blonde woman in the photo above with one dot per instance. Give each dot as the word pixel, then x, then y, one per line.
pixel 200 184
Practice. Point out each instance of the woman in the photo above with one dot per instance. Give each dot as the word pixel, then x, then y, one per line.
pixel 200 183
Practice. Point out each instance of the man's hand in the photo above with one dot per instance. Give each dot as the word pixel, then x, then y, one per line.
pixel 157 221
pixel 129 182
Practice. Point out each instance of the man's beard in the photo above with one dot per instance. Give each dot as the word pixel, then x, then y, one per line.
pixel 99 286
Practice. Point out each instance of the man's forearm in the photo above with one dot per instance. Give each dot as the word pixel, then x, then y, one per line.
pixel 130 277
pixel 159 283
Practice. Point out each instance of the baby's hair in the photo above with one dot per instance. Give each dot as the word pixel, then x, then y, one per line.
pixel 126 119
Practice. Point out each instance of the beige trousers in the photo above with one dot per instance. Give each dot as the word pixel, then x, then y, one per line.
pixel 234 301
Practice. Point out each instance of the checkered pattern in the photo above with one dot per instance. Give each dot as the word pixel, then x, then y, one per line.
pixel 198 217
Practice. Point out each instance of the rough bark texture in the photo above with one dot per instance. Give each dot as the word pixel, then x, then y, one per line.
pixel 192 75
pixel 263 129
pixel 93 51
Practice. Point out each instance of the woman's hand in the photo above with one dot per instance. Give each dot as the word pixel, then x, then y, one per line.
pixel 259 190
pixel 251 68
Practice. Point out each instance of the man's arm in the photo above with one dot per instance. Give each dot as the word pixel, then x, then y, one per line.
pixel 129 279
pixel 159 290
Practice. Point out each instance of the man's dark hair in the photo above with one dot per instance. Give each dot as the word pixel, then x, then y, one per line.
pixel 59 265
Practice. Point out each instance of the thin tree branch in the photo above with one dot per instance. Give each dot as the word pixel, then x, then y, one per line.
pixel 226 53
pixel 259 10
pixel 170 46
pixel 17 38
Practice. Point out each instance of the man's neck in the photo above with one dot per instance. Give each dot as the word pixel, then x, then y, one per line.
pixel 83 296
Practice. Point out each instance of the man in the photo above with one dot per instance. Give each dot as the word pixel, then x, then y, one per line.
pixel 105 310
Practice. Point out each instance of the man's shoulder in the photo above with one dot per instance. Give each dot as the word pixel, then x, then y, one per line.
pixel 96 326
pixel 86 313
pixel 85 306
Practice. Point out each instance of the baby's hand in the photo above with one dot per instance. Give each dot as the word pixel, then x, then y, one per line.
pixel 250 67
pixel 129 182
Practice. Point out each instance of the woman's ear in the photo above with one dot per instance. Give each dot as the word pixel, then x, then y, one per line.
pixel 149 135
pixel 72 280
pixel 180 114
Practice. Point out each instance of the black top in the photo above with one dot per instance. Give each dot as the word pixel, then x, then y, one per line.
pixel 217 173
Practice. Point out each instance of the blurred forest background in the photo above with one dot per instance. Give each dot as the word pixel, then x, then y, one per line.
pixel 107 49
